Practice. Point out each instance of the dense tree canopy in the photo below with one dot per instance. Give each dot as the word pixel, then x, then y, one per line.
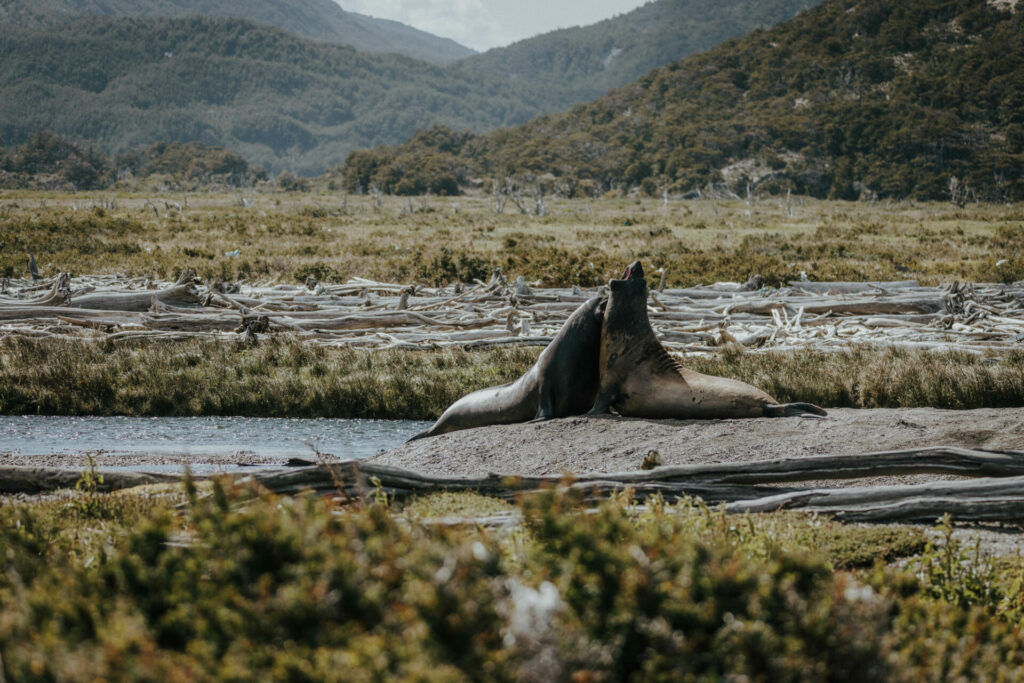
pixel 277 99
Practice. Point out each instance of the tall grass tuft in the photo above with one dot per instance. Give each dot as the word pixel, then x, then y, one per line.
pixel 286 378
pixel 870 376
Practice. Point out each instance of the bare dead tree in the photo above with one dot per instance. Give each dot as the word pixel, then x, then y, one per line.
pixel 958 191
pixel 500 196
pixel 539 207
pixel 515 193
pixel 378 196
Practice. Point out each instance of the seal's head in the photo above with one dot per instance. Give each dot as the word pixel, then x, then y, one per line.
pixel 631 277
pixel 627 302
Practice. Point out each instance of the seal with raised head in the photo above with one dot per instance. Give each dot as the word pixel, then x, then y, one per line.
pixel 640 379
pixel 561 383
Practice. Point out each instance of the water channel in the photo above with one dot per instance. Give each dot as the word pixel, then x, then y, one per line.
pixel 202 443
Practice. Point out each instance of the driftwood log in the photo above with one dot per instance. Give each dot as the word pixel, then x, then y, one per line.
pixel 994 492
pixel 34 480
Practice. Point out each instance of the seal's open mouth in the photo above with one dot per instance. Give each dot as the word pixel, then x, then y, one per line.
pixel 635 270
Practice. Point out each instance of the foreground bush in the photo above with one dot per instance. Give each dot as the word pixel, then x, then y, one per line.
pixel 248 588
pixel 283 378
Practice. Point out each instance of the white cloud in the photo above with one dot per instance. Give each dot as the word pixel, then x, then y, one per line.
pixel 464 21
pixel 483 24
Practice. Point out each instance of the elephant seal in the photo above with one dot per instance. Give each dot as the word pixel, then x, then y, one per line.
pixel 561 383
pixel 640 379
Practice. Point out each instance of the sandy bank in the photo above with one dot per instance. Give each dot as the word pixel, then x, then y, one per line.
pixel 612 444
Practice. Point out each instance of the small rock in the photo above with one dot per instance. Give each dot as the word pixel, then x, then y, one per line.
pixel 651 460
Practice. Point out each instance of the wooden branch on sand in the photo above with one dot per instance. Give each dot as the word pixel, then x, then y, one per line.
pixel 933 460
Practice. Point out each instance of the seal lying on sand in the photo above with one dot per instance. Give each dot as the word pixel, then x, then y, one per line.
pixel 561 383
pixel 640 379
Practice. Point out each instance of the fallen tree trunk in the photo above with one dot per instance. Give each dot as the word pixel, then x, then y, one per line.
pixel 42 479
pixel 834 501
pixel 178 295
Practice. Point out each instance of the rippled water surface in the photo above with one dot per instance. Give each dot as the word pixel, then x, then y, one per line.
pixel 202 437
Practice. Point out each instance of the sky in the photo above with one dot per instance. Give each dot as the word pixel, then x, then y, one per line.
pixel 483 24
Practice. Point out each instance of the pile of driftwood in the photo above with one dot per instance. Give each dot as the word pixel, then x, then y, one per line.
pixel 379 315
pixel 991 488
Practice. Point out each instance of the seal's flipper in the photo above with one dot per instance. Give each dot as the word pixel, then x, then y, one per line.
pixel 545 404
pixel 601 405
pixel 792 410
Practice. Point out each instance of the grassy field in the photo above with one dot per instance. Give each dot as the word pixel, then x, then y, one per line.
pixel 432 240
pixel 230 584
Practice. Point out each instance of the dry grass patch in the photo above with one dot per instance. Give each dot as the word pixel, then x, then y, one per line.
pixel 582 242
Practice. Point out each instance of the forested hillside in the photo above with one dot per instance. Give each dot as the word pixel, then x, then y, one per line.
pixel 918 98
pixel 279 100
pixel 316 19
pixel 81 69
pixel 575 65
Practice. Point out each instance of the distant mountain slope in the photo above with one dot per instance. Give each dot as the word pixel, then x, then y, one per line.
pixel 277 99
pixel 579 64
pixel 917 98
pixel 316 19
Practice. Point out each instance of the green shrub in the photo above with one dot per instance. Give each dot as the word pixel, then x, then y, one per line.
pixel 246 585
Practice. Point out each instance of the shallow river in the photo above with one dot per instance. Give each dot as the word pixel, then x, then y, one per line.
pixel 203 443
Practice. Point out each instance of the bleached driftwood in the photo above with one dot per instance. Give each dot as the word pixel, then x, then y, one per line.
pixel 363 313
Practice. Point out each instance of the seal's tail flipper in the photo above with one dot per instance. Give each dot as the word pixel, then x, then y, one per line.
pixel 792 410
pixel 421 435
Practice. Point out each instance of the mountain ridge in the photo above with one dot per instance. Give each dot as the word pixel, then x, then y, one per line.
pixel 582 63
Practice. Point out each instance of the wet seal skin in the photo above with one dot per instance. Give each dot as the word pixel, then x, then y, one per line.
pixel 640 379
pixel 563 382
